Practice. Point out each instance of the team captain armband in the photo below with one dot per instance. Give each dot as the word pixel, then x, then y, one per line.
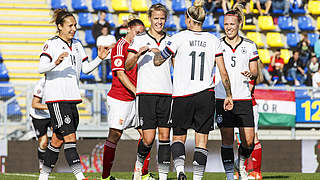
pixel 166 53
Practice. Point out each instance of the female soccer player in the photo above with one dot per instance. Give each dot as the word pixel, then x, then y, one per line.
pixel 240 57
pixel 193 107
pixel 154 90
pixel 62 60
pixel 40 119
pixel 121 97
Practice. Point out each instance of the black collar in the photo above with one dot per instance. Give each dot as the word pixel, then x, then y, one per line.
pixel 158 43
pixel 235 48
pixel 70 46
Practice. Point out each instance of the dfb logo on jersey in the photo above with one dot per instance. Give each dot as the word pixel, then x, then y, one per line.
pixel 117 62
pixel 219 118
pixel 243 50
pixel 67 119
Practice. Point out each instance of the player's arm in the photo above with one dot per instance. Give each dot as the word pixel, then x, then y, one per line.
pixel 87 67
pixel 46 64
pixel 126 82
pixel 36 103
pixel 253 73
pixel 133 57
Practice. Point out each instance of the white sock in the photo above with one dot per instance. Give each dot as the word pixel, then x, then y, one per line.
pixel 196 177
pixel 80 176
pixel 43 176
pixel 179 169
pixel 242 160
pixel 163 176
pixel 40 164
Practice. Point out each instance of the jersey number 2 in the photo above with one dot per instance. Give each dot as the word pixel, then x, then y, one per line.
pixel 193 55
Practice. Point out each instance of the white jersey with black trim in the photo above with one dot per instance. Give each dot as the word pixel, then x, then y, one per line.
pixel 39 92
pixel 151 79
pixel 62 81
pixel 195 54
pixel 236 60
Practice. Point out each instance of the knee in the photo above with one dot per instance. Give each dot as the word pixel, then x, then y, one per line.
pixel 114 136
pixel 56 142
pixel 148 141
pixel 43 144
pixel 164 136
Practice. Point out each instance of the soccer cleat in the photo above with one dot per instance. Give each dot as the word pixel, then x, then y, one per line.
pixel 108 178
pixel 137 174
pixel 243 175
pixel 148 176
pixel 182 176
pixel 236 175
pixel 255 175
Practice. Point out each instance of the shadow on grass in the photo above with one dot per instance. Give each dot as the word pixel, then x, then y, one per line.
pixel 275 177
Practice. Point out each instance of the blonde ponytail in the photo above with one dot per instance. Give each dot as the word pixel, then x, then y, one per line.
pixel 196 12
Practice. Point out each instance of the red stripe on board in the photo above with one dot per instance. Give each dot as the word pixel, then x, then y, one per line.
pixel 277 95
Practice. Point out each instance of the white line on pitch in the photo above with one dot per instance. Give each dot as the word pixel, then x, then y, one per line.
pixel 29 175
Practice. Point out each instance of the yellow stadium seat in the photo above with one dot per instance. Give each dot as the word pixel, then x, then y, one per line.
pixel 274 39
pixel 122 16
pixel 285 55
pixel 255 11
pixel 139 5
pixel 266 23
pixel 264 55
pixel 247 27
pixel 255 37
pixel 314 7
pixel 318 22
pixel 145 19
pixel 120 5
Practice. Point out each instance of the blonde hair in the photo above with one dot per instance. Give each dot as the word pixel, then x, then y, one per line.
pixel 237 10
pixel 158 7
pixel 260 78
pixel 196 12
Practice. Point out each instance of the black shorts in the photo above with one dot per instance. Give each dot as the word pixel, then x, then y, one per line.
pixel 240 116
pixel 41 126
pixel 154 111
pixel 195 111
pixel 64 117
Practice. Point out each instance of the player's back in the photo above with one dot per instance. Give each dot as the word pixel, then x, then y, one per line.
pixel 194 61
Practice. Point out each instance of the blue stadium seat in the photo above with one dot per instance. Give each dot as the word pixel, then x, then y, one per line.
pixel 277 11
pixel 109 19
pixel 86 77
pixel 1 58
pixel 293 39
pixel 217 34
pixel 94 51
pixel 85 19
pixel 170 23
pixel 113 32
pixel 182 22
pixel 4 76
pixel 285 23
pixel 159 1
pixel 6 90
pixel 89 37
pixel 221 22
pixel 59 4
pixel 305 23
pixel 109 72
pixel 209 22
pixel 13 109
pixel 79 5
pixel 295 9
pixel 99 5
pixel 179 5
pixel 313 37
pixel 171 32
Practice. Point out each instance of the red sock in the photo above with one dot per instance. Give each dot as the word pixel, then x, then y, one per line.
pixel 108 157
pixel 145 168
pixel 256 157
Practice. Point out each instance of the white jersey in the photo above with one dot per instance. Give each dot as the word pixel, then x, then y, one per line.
pixel 151 79
pixel 236 61
pixel 194 54
pixel 39 92
pixel 62 82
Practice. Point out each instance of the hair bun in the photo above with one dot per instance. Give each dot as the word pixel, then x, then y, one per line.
pixel 198 3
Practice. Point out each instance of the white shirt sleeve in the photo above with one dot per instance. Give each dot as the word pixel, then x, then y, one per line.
pixel 46 62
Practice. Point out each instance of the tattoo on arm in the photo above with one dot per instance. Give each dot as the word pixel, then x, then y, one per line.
pixel 227 86
pixel 158 59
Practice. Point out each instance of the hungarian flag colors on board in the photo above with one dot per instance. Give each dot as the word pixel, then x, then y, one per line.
pixel 276 107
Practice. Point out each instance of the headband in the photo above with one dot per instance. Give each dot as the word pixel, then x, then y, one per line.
pixel 192 18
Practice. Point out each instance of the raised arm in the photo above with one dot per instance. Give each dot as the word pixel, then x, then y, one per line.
pixel 87 67
pixel 46 64
pixel 133 57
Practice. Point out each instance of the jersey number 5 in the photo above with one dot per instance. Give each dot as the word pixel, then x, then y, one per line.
pixel 193 55
pixel 233 59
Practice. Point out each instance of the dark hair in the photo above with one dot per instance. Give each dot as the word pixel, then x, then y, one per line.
pixel 295 51
pixel 102 11
pixel 59 15
pixel 135 22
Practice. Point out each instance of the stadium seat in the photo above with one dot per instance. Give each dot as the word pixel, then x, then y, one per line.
pixel 171 32
pixel 277 11
pixel 266 23
pixel 313 37
pixel 94 52
pixel 264 55
pixel 109 72
pixel 109 19
pixel 247 27
pixel 305 23
pixel 121 16
pixel 86 77
pixel 13 109
pixel 255 37
pixel 6 90
pixel 293 39
pixel 139 5
pixel 285 23
pixel 1 58
pixel 159 1
pixel 120 5
pixel 274 39
pixel 79 5
pixel 318 22
pixel 182 22
pixel 285 55
pixel 221 22
pixel 85 19
pixel 170 23
pixel 59 4
pixel 294 8
pixel 89 37
pixel 217 34
pixel 4 76
pixel 179 5
pixel 145 19
pixel 208 22
pixel 314 7
pixel 99 5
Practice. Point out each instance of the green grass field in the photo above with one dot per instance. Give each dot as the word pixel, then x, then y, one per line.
pixel 127 176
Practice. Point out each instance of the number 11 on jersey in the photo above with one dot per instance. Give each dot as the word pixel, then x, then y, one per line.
pixel 193 56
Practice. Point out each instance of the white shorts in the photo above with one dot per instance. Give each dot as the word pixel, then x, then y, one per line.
pixel 121 114
pixel 255 117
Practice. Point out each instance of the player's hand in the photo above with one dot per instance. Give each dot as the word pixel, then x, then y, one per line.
pixel 154 50
pixel 247 74
pixel 143 50
pixel 103 52
pixel 228 104
pixel 61 57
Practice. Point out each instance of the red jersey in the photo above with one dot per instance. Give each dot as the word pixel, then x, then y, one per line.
pixel 254 102
pixel 118 57
pixel 277 62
